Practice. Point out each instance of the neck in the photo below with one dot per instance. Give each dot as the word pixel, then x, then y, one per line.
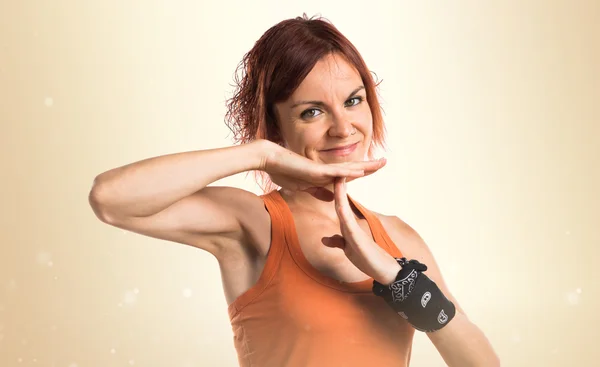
pixel 321 202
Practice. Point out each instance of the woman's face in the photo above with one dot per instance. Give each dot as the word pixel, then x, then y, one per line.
pixel 328 110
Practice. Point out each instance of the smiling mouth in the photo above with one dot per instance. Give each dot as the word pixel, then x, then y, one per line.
pixel 342 151
pixel 349 146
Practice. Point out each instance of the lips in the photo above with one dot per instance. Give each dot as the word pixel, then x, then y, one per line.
pixel 349 146
pixel 341 151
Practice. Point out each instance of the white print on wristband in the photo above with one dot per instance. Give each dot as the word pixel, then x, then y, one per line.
pixel 403 315
pixel 425 299
pixel 442 317
pixel 402 288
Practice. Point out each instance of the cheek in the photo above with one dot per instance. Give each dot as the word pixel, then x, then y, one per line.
pixel 310 137
pixel 302 140
pixel 366 120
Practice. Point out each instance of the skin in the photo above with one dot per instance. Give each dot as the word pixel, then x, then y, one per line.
pixel 308 129
pixel 329 109
pixel 233 225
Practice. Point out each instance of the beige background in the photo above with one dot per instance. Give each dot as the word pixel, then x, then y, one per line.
pixel 494 157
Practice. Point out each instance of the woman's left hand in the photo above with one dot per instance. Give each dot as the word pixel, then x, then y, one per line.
pixel 358 245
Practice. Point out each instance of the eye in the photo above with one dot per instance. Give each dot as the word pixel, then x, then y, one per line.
pixel 310 113
pixel 354 101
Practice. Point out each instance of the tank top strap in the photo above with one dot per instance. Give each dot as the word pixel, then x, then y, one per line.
pixel 274 254
pixel 380 235
pixel 276 212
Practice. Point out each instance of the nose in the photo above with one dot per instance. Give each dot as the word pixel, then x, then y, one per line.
pixel 341 126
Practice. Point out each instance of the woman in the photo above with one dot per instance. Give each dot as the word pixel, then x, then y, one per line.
pixel 300 264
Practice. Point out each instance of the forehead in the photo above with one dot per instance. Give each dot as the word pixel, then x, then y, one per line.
pixel 330 76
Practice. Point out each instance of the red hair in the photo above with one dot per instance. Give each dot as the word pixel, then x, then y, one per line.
pixel 276 65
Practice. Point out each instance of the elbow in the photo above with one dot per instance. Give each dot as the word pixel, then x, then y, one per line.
pixel 97 199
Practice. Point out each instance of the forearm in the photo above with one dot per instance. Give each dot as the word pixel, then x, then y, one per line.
pixel 462 343
pixel 429 306
pixel 146 187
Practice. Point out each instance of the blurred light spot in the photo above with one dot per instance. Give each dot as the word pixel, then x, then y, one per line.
pixel 20 360
pixel 73 365
pixel 131 362
pixel 49 102
pixel 136 291
pixel 568 233
pixel 50 264
pixel 187 293
pixel 43 257
pixel 113 351
pixel 56 277
pixel 516 338
pixel 34 360
pixel 574 297
pixel 130 297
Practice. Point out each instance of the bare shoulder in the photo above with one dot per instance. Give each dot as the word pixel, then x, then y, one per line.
pixel 404 236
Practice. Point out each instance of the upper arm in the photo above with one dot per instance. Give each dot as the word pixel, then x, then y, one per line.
pixel 208 219
pixel 412 245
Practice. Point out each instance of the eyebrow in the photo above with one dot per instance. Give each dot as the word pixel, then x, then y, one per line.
pixel 320 103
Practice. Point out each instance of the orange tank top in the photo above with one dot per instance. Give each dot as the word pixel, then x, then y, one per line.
pixel 294 316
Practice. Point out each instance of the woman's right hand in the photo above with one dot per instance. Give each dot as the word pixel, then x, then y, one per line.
pixel 294 172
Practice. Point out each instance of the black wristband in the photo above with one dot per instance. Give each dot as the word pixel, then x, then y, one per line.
pixel 417 298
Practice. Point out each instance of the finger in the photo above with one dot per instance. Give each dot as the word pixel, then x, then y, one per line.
pixel 374 166
pixel 342 206
pixel 329 171
pixel 369 172
pixel 347 172
pixel 365 166
pixel 359 169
